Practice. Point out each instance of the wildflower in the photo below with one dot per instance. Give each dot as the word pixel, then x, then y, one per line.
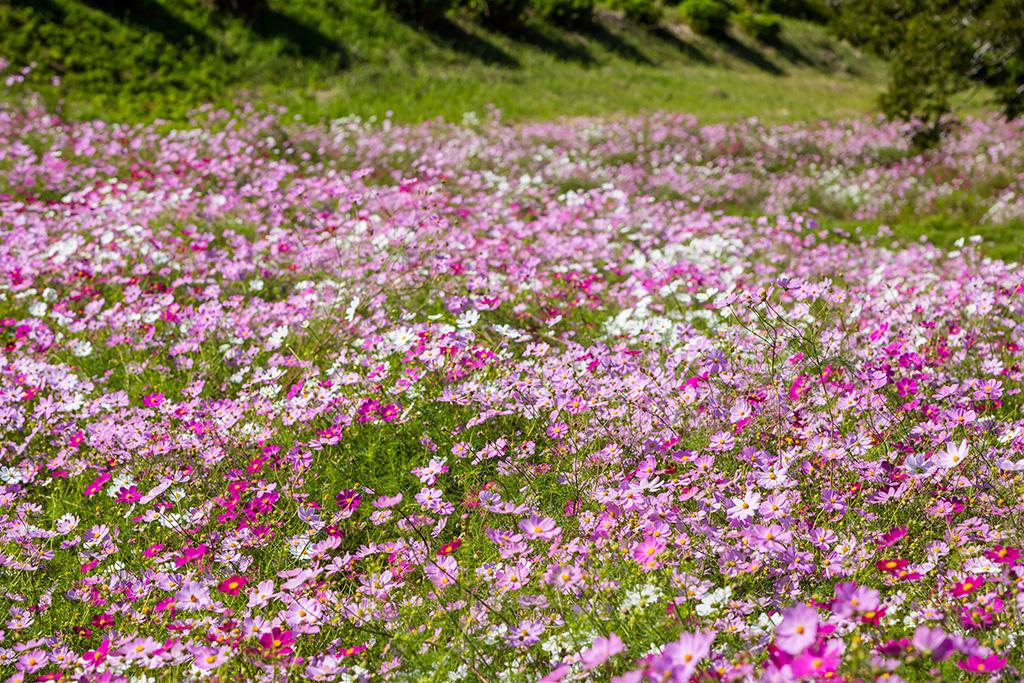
pixel 891 566
pixel 891 537
pixel 443 571
pixel 933 641
pixel 232 585
pixel 450 547
pixel 967 586
pixel 190 554
pixel 952 456
pixel 982 665
pixel 94 658
pixel 1003 555
pixel 601 651
pixel 537 527
pixel 276 643
pixel 797 630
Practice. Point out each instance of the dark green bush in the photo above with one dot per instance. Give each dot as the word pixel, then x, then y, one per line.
pixel 647 12
pixel 497 12
pixel 709 17
pixel 765 28
pixel 565 12
pixel 424 12
pixel 811 10
pixel 245 8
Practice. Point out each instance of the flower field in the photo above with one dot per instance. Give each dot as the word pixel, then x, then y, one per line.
pixel 579 400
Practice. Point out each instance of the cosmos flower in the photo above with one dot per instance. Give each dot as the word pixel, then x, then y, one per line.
pixel 797 630
pixel 537 527
pixel 982 665
pixel 603 649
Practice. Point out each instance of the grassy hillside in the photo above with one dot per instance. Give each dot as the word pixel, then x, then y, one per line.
pixel 338 57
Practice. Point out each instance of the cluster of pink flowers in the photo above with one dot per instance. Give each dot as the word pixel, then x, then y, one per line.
pixel 287 402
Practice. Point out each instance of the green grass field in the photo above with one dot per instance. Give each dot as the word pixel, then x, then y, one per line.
pixel 333 59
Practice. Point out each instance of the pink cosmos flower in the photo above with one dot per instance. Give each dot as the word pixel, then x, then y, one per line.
pixel 679 659
pixel 190 555
pixel 94 658
pixel 817 662
pixel 933 641
pixel 442 571
pixel 209 658
pixel 557 431
pixel 1003 555
pixel 967 586
pixel 537 527
pixel 33 661
pixel 232 585
pixel 556 675
pixel 891 537
pixel 276 643
pixel 797 630
pixel 982 665
pixel 601 651
pixel 152 400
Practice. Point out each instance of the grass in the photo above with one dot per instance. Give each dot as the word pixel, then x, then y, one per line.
pixel 328 59
pixel 999 240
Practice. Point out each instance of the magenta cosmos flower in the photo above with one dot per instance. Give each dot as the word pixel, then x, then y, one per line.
pixel 982 665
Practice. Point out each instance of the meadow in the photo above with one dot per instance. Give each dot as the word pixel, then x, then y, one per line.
pixel 619 398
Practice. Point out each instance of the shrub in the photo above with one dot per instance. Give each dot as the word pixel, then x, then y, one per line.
pixel 765 28
pixel 420 11
pixel 497 12
pixel 245 8
pixel 565 12
pixel 647 12
pixel 812 10
pixel 709 17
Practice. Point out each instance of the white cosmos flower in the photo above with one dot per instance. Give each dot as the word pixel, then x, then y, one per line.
pixel 952 456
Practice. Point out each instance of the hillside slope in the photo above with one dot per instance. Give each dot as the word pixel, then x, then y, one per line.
pixel 331 58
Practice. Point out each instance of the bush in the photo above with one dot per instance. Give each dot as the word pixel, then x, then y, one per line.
pixel 245 8
pixel 565 12
pixel 765 28
pixel 709 17
pixel 497 12
pixel 420 11
pixel 811 10
pixel 647 12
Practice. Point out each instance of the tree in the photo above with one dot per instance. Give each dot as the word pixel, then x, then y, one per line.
pixel 938 48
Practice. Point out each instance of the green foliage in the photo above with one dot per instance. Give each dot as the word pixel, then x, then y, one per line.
pixel 810 10
pixel 565 12
pixel 326 59
pixel 645 12
pixel 425 12
pixel 497 12
pixel 938 48
pixel 708 17
pixel 245 8
pixel 763 27
pixel 73 42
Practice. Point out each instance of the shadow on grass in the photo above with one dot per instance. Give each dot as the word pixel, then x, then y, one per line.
pixel 748 55
pixel 690 51
pixel 446 33
pixel 613 43
pixel 794 55
pixel 559 48
pixel 301 38
pixel 152 17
